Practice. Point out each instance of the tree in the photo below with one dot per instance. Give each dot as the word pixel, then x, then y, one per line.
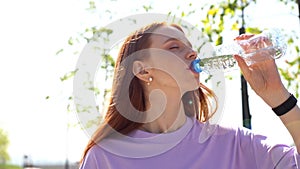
pixel 4 142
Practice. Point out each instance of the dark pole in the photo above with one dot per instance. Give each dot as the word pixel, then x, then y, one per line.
pixel 244 88
pixel 67 144
pixel 299 9
pixel 67 164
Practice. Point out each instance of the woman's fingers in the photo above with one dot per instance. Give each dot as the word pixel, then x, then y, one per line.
pixel 242 64
pixel 244 37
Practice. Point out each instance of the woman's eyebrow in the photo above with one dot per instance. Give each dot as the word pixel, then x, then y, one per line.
pixel 175 39
pixel 170 39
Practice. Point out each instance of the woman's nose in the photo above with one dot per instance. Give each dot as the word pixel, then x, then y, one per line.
pixel 191 55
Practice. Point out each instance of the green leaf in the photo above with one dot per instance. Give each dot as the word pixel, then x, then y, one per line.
pixel 105 30
pixel 59 51
pixel 70 41
pixel 68 75
pixel 92 5
pixel 147 8
pixel 182 14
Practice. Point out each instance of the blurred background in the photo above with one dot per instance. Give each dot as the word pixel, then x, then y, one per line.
pixel 40 42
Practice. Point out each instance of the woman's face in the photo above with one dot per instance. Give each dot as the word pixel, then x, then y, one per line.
pixel 170 57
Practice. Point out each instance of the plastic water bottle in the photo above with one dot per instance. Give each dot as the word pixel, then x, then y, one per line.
pixel 269 44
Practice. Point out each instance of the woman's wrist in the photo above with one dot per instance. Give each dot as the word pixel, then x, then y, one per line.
pixel 274 99
pixel 286 106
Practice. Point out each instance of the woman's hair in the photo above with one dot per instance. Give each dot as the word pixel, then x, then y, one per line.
pixel 114 120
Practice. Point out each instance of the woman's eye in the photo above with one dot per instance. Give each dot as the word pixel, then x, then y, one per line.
pixel 174 47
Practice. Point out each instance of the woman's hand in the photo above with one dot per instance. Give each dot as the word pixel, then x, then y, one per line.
pixel 264 79
pixel 263 76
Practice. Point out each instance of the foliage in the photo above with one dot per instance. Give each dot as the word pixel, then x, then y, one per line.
pixel 8 166
pixel 291 73
pixel 4 142
pixel 223 13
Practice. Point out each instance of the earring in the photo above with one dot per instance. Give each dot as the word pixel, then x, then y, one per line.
pixel 150 80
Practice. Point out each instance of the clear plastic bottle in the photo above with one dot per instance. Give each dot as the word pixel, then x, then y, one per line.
pixel 269 44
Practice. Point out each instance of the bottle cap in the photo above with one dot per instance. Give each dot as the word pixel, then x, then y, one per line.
pixel 195 66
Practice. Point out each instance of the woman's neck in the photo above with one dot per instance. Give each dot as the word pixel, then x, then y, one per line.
pixel 171 119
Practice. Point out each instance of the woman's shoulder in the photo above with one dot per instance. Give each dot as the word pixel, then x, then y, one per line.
pixel 96 150
pixel 94 158
pixel 205 131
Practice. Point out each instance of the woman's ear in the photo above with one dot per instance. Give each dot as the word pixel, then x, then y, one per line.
pixel 139 70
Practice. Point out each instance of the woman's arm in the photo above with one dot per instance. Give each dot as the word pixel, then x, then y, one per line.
pixel 291 120
pixel 265 80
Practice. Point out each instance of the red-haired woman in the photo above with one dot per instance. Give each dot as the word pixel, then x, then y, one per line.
pixel 158 111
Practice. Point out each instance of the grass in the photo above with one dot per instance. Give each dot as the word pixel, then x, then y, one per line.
pixel 9 166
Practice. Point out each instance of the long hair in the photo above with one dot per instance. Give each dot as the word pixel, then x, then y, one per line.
pixel 114 120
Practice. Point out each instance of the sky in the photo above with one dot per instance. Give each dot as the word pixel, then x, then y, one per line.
pixel 33 31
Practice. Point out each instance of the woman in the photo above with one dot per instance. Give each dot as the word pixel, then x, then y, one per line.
pixel 161 125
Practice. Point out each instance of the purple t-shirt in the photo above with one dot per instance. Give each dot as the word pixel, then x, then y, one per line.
pixel 194 146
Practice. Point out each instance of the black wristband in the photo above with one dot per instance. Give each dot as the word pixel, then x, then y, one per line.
pixel 285 106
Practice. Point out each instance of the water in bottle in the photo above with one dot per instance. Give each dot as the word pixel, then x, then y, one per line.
pixel 269 44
